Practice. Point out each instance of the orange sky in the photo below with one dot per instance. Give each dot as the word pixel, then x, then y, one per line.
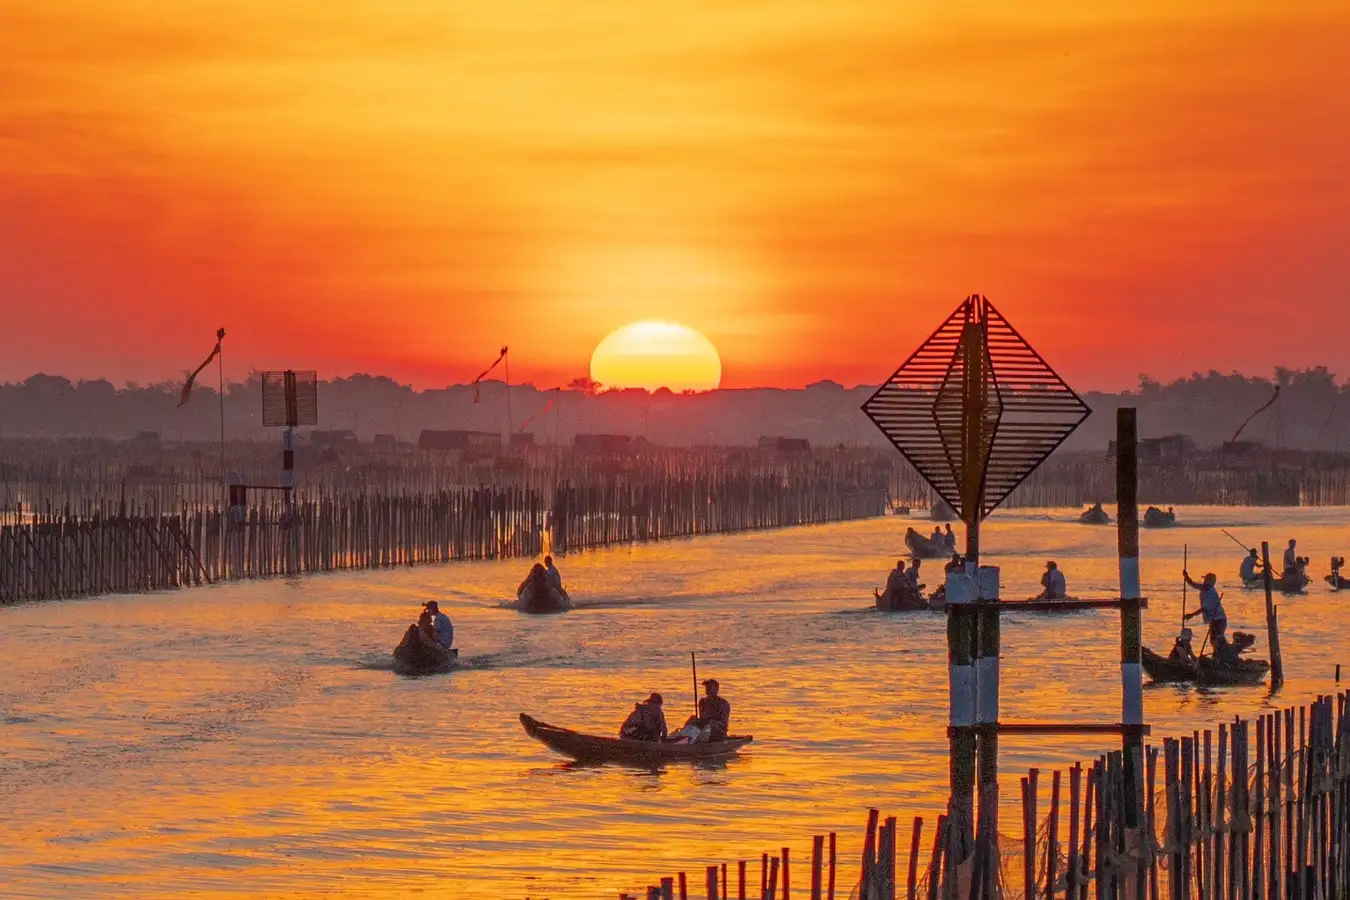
pixel 403 186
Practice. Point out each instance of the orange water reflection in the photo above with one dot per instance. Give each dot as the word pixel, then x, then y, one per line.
pixel 248 737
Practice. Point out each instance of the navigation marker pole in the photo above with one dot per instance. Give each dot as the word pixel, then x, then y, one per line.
pixel 975 410
pixel 1131 612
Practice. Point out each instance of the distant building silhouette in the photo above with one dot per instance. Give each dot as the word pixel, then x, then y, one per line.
pixel 459 440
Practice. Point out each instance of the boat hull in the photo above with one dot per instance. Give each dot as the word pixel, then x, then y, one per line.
pixel 587 748
pixel 539 597
pixel 889 601
pixel 921 547
pixel 1156 518
pixel 1095 517
pixel 414 656
pixel 1206 671
pixel 1282 585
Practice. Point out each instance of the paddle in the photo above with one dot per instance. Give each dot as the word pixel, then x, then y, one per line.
pixel 1185 559
pixel 693 662
pixel 1244 547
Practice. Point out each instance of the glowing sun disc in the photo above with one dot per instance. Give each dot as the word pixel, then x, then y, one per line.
pixel 654 354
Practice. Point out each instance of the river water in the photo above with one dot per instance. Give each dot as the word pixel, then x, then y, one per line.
pixel 250 739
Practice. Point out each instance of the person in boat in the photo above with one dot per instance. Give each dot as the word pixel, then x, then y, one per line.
pixel 426 627
pixel 647 721
pixel 1052 583
pixel 1291 569
pixel 949 537
pixel 1181 649
pixel 955 564
pixel 897 582
pixel 1336 563
pixel 912 576
pixel 714 713
pixel 1249 571
pixel 938 539
pixel 441 625
pixel 1211 608
pixel 554 576
pixel 536 571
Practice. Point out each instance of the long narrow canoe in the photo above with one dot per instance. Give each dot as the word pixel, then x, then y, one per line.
pixel 1206 671
pixel 921 547
pixel 536 595
pixel 1293 584
pixel 594 749
pixel 417 656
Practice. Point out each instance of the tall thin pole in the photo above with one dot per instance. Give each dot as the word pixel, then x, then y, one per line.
pixel 1131 611
pixel 510 425
pixel 220 368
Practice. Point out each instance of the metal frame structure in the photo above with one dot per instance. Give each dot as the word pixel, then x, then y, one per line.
pixel 975 409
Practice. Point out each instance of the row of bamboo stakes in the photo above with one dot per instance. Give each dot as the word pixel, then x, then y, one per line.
pixel 1254 810
pixel 72 553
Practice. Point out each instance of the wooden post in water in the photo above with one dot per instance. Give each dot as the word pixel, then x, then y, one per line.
pixel 1272 623
pixel 1131 612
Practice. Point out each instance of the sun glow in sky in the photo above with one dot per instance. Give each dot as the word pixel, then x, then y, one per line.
pixel 656 354
pixel 403 187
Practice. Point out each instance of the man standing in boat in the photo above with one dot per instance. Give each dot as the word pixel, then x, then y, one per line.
pixel 714 713
pixel 1250 565
pixel 913 576
pixel 1211 608
pixel 1052 583
pixel 1291 567
pixel 949 537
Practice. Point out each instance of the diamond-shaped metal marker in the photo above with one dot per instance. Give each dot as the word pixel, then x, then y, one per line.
pixel 975 409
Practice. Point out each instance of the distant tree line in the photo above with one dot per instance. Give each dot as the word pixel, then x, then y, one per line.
pixel 1311 411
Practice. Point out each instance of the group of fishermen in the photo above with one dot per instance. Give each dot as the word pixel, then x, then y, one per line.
pixel 647 721
pixel 903 583
pixel 1211 610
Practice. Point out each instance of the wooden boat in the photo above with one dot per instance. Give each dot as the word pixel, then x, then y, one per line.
pixel 537 595
pixel 1206 670
pixel 942 511
pixel 415 655
pixel 921 547
pixel 1294 584
pixel 1095 516
pixel 591 748
pixel 892 601
pixel 1338 582
pixel 1156 518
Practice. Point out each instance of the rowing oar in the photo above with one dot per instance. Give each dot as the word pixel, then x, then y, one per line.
pixel 693 662
pixel 1244 547
pixel 1185 559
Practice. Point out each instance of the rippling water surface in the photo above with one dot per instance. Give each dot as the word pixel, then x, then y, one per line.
pixel 250 739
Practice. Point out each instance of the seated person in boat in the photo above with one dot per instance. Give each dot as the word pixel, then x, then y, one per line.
pixel 1181 650
pixel 647 721
pixel 536 571
pixel 938 539
pixel 1052 583
pixel 441 625
pixel 912 576
pixel 554 576
pixel 714 713
pixel 949 537
pixel 1211 607
pixel 955 564
pixel 897 582
pixel 1251 566
pixel 1336 563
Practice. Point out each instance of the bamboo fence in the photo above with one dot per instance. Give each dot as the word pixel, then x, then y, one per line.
pixel 1255 810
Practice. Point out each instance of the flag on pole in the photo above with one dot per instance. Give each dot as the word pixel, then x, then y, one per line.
pixel 187 385
pixel 500 356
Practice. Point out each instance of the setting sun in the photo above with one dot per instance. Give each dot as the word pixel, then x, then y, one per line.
pixel 655 354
